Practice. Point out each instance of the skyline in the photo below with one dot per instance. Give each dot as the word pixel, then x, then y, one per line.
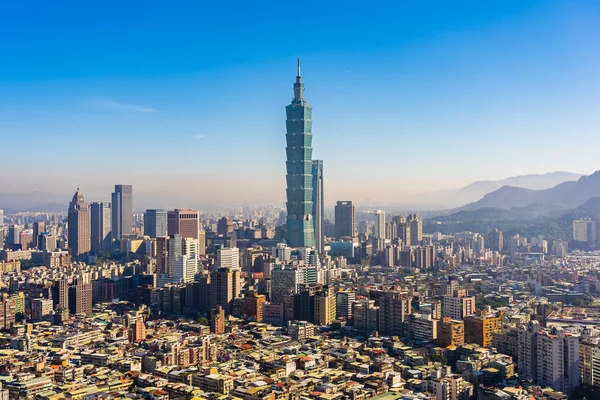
pixel 410 97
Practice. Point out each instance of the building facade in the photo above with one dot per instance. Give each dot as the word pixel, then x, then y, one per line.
pixel 122 211
pixel 79 225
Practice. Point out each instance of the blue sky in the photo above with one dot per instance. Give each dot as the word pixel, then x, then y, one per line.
pixel 186 99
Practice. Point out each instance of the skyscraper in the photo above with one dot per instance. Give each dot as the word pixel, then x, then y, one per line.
pixel 318 213
pixel 299 225
pixel 379 225
pixel 155 223
pixel 101 225
pixel 38 229
pixel 182 258
pixel 79 225
pixel 185 222
pixel 122 211
pixel 345 219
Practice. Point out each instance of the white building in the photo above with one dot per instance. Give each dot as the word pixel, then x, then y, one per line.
pixel 228 258
pixel 558 360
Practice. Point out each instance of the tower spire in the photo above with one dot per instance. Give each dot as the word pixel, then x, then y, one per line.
pixel 298 87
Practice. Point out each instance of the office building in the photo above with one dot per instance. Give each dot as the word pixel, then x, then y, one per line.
pixel 155 223
pixel 184 222
pixel 345 219
pixel 79 225
pixel 101 226
pixel 395 308
pixel 122 211
pixel 318 199
pixel 459 305
pixel 299 225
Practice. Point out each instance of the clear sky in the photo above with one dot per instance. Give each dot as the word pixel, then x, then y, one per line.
pixel 186 99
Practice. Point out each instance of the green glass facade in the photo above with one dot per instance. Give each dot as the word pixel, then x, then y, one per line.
pixel 299 230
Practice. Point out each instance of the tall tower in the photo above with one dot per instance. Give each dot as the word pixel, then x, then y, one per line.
pixel 122 211
pixel 299 231
pixel 79 225
pixel 318 198
pixel 101 225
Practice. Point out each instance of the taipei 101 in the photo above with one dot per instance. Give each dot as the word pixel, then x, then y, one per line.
pixel 334 200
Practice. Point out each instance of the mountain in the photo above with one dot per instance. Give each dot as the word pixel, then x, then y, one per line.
pixel 476 190
pixel 530 221
pixel 565 195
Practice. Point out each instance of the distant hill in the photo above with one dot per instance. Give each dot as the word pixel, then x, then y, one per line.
pixel 533 220
pixel 34 201
pixel 565 195
pixel 476 190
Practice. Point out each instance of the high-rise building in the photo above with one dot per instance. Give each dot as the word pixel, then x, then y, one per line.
pixel 299 225
pixel 527 350
pixel 221 289
pixel 80 298
pixel 101 226
pixel 1 229
pixel 122 211
pixel 345 219
pixel 217 320
pixel 253 305
pixel 325 306
pixel 38 229
pixel 480 327
pixel 558 360
pixel 40 308
pixel 416 229
pixel 138 331
pixel 155 223
pixel 225 226
pixel 344 300
pixel 366 316
pixel 228 258
pixel 459 305
pixel 318 213
pixel 79 225
pixel 185 222
pixel 450 333
pixel 496 240
pixel 60 294
pixel 379 225
pixel 182 258
pixel 395 308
